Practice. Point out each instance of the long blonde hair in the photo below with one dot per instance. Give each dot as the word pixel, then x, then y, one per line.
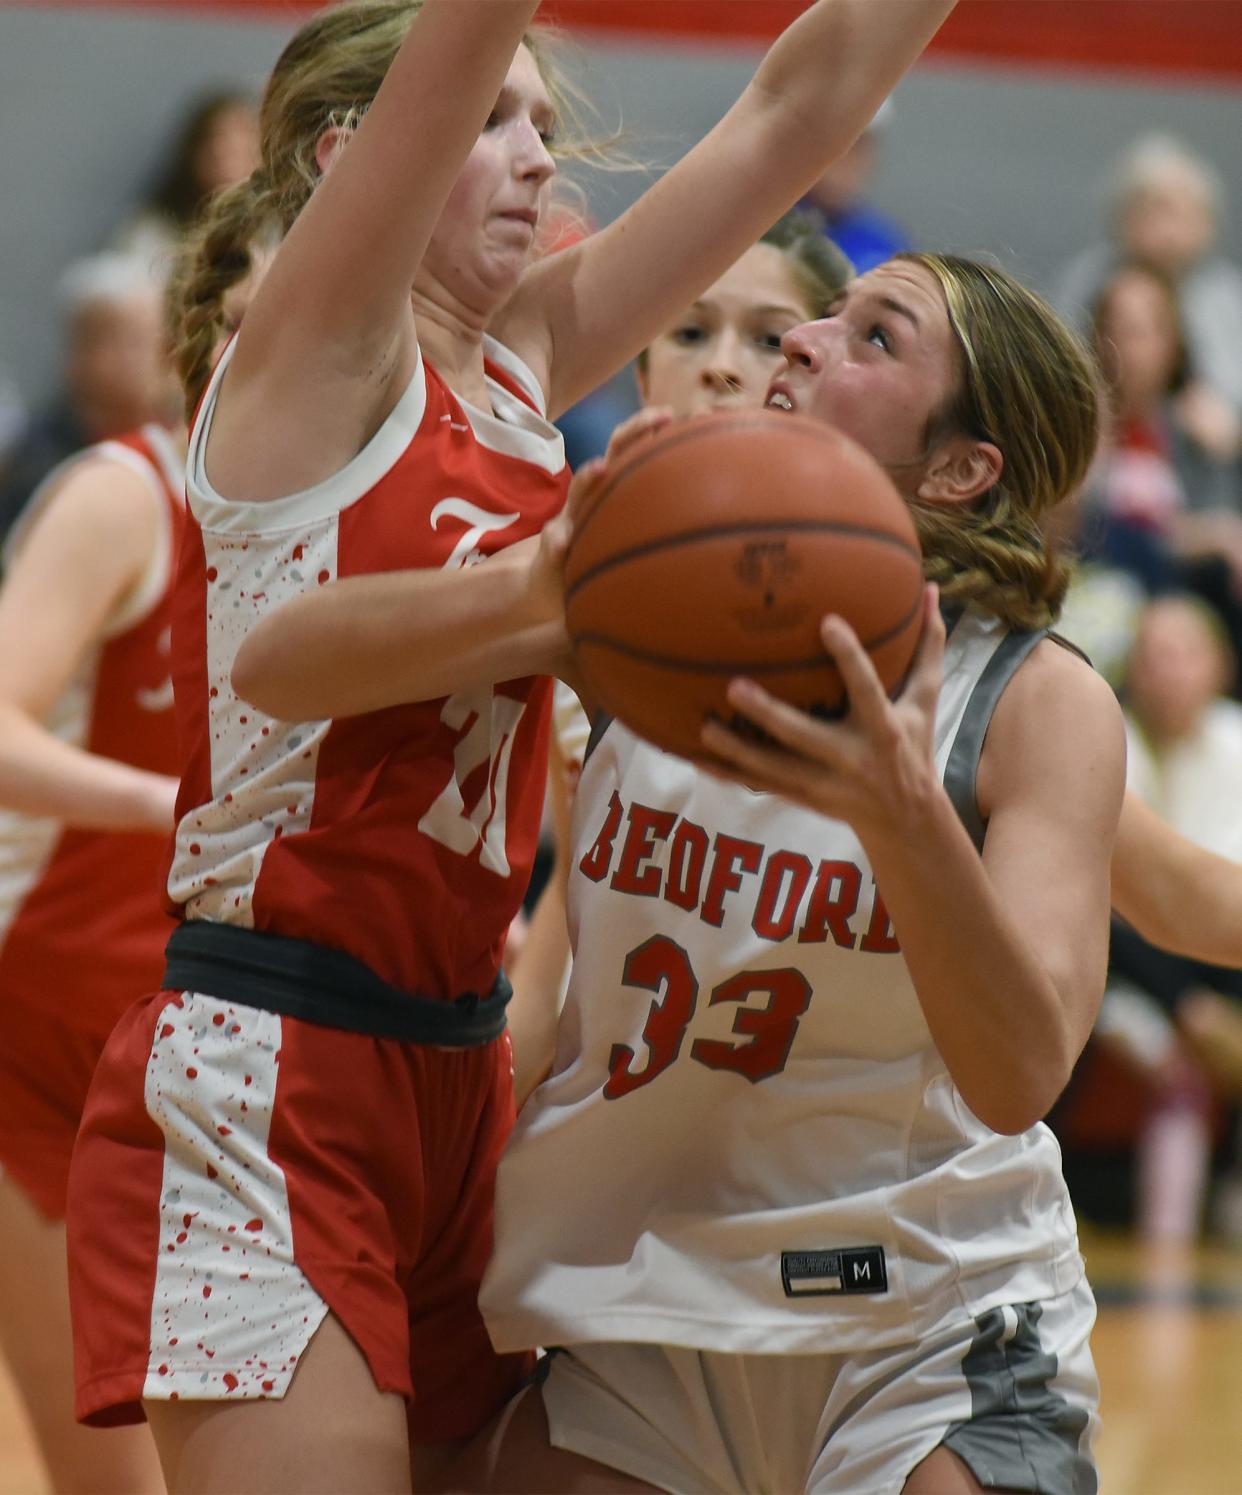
pixel 327 75
pixel 1030 387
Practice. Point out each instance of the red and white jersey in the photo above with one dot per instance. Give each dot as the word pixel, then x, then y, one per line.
pixel 80 914
pixel 404 837
pixel 749 1141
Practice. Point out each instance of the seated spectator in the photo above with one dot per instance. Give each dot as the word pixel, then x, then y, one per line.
pixel 218 145
pixel 1155 473
pixel 1158 508
pixel 1166 209
pixel 116 374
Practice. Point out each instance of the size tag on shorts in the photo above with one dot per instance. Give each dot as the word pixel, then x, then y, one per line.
pixel 850 1269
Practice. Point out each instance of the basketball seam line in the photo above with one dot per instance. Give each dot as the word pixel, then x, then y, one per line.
pixel 746 667
pixel 691 432
pixel 776 526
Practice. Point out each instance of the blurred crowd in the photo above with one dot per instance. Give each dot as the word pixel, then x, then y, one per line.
pixel 1150 1124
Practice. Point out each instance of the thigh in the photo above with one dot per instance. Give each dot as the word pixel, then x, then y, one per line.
pixel 943 1473
pixel 514 1455
pixel 331 1431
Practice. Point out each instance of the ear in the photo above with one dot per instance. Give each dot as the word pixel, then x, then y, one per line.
pixel 961 469
pixel 329 146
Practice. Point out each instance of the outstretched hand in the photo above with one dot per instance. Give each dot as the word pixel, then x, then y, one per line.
pixel 871 767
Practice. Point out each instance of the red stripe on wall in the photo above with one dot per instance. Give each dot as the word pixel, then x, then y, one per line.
pixel 1169 37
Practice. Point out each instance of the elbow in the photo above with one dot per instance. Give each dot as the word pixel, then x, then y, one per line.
pixel 1007 1118
pixel 1012 1103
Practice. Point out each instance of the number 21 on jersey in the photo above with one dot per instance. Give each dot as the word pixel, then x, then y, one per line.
pixel 488 724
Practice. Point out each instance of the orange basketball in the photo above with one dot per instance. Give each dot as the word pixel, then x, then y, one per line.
pixel 715 548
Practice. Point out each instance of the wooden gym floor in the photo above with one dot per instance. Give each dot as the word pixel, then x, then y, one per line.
pixel 1168 1346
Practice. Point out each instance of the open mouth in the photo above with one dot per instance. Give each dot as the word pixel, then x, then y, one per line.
pixel 779 400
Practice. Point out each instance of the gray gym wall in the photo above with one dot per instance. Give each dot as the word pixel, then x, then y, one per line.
pixel 1007 161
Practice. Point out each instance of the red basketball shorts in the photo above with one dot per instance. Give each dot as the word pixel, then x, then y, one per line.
pixel 49 1045
pixel 239 1174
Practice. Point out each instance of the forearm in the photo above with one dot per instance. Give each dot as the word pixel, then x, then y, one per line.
pixel 42 776
pixel 858 49
pixel 994 1010
pixel 370 642
pixel 1174 893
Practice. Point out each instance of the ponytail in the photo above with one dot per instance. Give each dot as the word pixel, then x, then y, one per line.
pixel 215 258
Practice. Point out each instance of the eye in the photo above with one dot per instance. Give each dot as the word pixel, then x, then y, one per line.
pixel 770 341
pixel 548 134
pixel 688 335
pixel 880 338
pixel 493 119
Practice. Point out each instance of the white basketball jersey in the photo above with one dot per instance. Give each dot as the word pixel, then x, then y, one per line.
pixel 749 1141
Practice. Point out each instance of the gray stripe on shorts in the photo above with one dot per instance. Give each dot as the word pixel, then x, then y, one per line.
pixel 1022 1433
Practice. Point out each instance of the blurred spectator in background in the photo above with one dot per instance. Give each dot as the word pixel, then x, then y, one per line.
pixel 14 418
pixel 1154 475
pixel 1167 205
pixel 116 374
pixel 1160 510
pixel 1178 1021
pixel 838 202
pixel 218 145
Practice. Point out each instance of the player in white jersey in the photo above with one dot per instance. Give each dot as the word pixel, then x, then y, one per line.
pixel 817 1227
pixel 712 355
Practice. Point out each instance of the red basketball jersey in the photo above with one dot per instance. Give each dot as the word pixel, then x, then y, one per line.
pixel 81 925
pixel 404 837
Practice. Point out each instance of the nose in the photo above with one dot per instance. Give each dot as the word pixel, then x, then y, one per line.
pixel 722 369
pixel 534 162
pixel 802 346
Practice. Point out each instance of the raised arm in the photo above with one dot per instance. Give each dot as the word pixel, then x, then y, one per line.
pixel 583 313
pixel 329 339
pixel 1176 894
pixel 85 551
pixel 1007 952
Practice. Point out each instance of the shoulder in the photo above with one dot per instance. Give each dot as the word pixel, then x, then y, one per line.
pixel 106 502
pixel 1058 723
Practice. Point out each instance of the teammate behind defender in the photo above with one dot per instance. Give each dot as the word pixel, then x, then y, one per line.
pixel 87 754
pixel 287 1158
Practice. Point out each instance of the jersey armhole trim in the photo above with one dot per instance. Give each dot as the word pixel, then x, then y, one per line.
pixel 321 501
pixel 962 768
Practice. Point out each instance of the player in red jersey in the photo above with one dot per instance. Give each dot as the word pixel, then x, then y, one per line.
pixel 87 753
pixel 287 1156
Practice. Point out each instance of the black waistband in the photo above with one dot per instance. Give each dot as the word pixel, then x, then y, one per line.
pixel 298 978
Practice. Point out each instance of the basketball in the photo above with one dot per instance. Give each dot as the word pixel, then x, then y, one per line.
pixel 714 549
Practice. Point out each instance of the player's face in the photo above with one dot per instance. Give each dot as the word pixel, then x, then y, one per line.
pixel 879 366
pixel 727 346
pixel 486 233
